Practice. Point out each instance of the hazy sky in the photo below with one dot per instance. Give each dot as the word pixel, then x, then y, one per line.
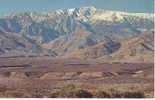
pixel 8 6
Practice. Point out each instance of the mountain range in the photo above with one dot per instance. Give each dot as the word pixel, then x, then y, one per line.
pixel 83 33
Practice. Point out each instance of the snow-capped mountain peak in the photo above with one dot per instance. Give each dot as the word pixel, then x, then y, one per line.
pixel 66 30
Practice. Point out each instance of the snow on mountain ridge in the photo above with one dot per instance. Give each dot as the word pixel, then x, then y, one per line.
pixel 85 12
pixel 109 15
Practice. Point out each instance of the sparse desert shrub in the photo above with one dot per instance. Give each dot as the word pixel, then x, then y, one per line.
pixel 71 91
pixel 39 93
pixel 6 74
pixel 126 94
pixel 134 95
pixel 115 93
pixel 66 91
pixel 2 95
pixel 78 73
pixel 101 94
pixel 69 87
pixel 15 94
pixel 72 94
pixel 83 94
pixel 3 88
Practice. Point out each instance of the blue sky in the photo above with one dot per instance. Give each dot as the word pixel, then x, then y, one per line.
pixel 8 6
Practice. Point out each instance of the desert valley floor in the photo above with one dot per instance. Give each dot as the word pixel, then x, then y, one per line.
pixel 43 76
